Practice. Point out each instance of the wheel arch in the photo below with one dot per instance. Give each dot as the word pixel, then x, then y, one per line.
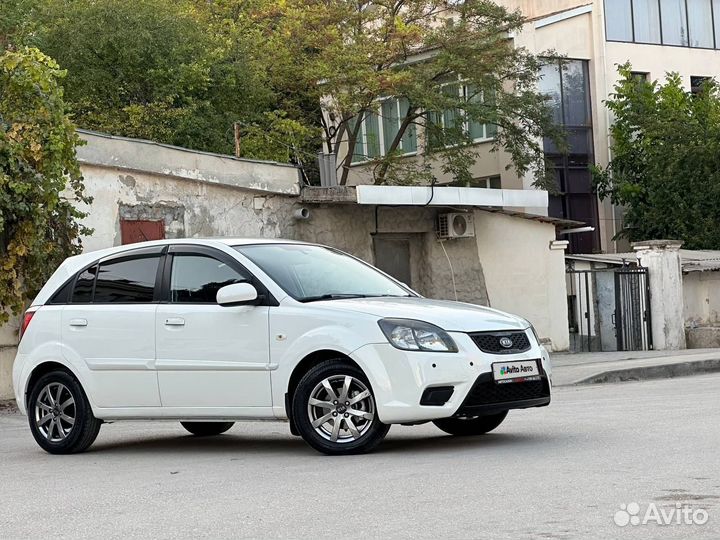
pixel 41 369
pixel 306 364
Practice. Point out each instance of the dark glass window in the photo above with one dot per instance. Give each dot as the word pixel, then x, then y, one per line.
pixel 674 22
pixel 566 83
pixel 646 19
pixel 127 280
pixel 696 84
pixel 196 279
pixel 618 20
pixel 82 293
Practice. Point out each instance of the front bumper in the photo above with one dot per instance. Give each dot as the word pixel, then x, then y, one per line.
pixel 400 378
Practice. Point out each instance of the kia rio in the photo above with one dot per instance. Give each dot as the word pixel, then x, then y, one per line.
pixel 208 332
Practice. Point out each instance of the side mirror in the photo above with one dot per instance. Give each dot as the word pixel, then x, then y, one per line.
pixel 237 294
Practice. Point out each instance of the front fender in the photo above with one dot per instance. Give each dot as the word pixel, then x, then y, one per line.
pixel 295 334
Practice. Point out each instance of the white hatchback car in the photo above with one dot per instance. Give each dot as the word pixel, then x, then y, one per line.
pixel 208 332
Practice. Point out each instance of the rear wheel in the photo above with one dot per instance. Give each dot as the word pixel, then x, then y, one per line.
pixel 60 416
pixel 472 425
pixel 334 410
pixel 206 429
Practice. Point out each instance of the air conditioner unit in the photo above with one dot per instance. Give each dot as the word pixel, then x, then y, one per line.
pixel 455 226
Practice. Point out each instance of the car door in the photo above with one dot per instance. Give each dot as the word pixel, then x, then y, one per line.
pixel 109 324
pixel 209 355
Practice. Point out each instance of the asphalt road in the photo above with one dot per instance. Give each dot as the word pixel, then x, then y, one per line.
pixel 557 472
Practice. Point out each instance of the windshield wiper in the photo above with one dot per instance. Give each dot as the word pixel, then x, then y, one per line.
pixel 341 296
pixel 332 296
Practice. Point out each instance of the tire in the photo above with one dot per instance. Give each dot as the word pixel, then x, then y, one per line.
pixel 207 429
pixel 477 425
pixel 358 430
pixel 60 416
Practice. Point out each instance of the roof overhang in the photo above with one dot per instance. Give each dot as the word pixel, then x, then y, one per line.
pixel 451 196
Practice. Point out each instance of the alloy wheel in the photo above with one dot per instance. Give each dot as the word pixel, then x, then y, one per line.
pixel 341 409
pixel 55 412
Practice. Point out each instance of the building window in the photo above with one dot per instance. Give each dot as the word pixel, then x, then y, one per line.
pixel 684 23
pixel 379 127
pixel 646 21
pixel 618 20
pixel 566 83
pixel 454 119
pixel 696 84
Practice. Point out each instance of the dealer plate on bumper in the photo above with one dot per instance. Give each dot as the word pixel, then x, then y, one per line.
pixel 520 371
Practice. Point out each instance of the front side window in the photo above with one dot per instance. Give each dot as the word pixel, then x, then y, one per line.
pixel 310 273
pixel 127 280
pixel 196 279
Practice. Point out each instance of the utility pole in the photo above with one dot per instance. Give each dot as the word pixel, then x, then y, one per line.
pixel 236 129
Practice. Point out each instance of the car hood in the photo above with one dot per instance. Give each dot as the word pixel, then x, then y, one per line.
pixel 450 316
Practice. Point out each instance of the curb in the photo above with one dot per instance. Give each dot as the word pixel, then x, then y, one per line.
pixel 644 373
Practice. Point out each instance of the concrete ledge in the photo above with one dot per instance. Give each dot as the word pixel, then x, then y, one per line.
pixel 139 155
pixel 7 357
pixel 664 371
pixel 703 337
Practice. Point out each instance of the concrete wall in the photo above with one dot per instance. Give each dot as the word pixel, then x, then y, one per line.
pixel 523 275
pixel 351 228
pixel 701 296
pixel 189 208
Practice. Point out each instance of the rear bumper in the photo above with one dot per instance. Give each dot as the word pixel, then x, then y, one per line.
pixel 400 381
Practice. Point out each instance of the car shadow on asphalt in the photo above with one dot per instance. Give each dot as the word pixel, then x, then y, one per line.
pixel 288 445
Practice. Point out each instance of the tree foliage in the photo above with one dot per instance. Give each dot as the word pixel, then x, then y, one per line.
pixel 665 167
pixel 295 73
pixel 39 177
pixel 349 53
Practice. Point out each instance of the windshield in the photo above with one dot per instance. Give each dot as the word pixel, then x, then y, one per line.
pixel 310 273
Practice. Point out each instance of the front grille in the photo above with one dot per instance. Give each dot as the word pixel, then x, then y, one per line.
pixel 491 342
pixel 486 391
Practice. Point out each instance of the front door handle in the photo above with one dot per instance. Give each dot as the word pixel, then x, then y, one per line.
pixel 175 321
pixel 78 322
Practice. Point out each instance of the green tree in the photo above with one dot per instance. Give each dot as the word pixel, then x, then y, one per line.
pixel 348 53
pixel 155 69
pixel 39 177
pixel 665 167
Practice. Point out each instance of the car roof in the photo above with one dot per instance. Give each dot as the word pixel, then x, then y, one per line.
pixel 73 264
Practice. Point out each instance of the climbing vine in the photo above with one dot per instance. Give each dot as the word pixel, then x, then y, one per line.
pixel 40 179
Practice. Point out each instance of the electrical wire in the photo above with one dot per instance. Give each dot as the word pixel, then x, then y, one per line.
pixel 452 272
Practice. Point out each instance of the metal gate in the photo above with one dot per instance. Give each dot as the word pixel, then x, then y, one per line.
pixel 609 309
pixel 632 309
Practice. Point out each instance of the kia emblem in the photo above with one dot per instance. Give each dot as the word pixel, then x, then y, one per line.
pixel 506 342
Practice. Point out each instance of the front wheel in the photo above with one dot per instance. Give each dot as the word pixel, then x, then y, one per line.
pixel 474 425
pixel 60 416
pixel 207 429
pixel 334 410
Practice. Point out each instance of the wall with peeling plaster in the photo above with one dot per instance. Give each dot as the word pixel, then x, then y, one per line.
pixel 258 200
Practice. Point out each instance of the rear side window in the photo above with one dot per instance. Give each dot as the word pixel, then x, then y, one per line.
pixel 196 279
pixel 127 280
pixel 82 293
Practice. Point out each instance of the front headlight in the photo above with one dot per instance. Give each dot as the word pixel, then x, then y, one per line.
pixel 411 335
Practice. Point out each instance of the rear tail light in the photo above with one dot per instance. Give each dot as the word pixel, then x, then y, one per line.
pixel 26 322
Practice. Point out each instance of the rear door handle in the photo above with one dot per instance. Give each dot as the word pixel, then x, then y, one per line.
pixel 78 322
pixel 175 321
